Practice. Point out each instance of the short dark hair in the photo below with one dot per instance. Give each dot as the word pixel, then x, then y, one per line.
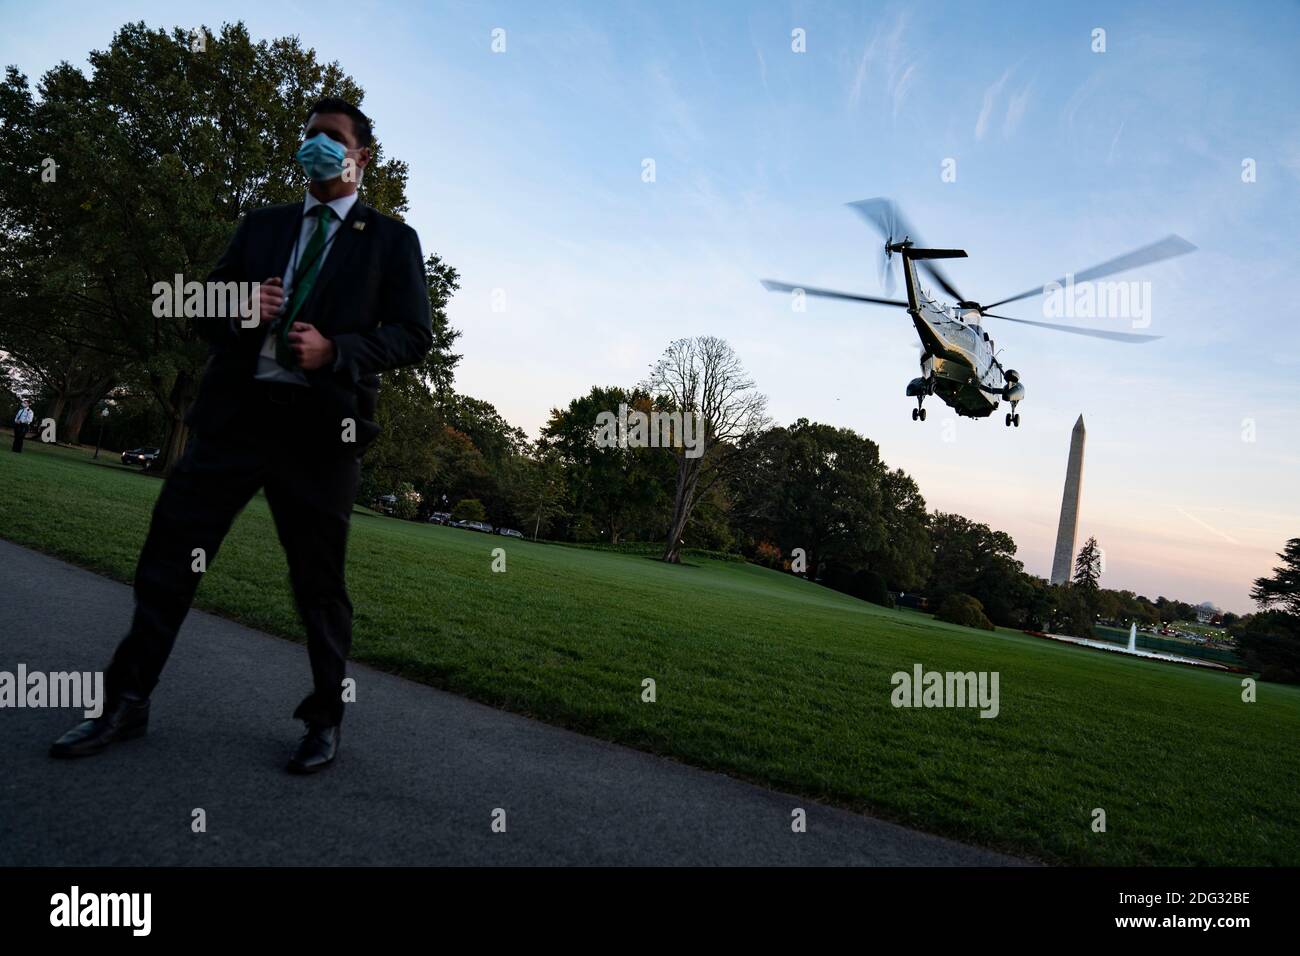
pixel 334 104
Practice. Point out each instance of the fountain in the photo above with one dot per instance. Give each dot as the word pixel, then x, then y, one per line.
pixel 1131 649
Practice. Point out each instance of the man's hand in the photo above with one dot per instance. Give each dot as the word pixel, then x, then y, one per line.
pixel 270 298
pixel 312 349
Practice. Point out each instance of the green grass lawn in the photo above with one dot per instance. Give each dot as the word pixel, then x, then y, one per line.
pixel 759 675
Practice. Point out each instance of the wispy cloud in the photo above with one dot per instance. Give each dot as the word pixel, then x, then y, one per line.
pixel 885 53
pixel 1110 155
pixel 673 114
pixel 990 100
pixel 1081 97
pixel 1016 106
pixel 1208 527
pixel 899 91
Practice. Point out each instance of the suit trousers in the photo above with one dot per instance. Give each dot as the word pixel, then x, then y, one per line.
pixel 310 493
pixel 20 432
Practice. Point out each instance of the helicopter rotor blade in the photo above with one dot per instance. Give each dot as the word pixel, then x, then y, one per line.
pixel 888 220
pixel 883 215
pixel 887 272
pixel 773 286
pixel 1165 248
pixel 1130 337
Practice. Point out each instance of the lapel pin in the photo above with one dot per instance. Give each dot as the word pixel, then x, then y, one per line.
pixel 358 226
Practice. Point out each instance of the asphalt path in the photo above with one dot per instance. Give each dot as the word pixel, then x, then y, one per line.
pixel 419 780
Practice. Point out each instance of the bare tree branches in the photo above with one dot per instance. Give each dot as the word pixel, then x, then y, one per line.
pixel 704 378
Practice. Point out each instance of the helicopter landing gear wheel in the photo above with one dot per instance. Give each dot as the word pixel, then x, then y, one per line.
pixel 923 414
pixel 916 413
pixel 1015 420
pixel 1008 419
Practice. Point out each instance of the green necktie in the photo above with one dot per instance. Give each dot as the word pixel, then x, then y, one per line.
pixel 302 285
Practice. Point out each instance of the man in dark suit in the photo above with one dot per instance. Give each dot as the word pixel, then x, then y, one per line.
pixel 286 403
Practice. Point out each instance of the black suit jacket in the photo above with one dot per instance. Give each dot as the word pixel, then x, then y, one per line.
pixel 370 297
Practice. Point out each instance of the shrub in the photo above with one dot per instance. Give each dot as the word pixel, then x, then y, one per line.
pixel 872 587
pixel 407 505
pixel 964 610
pixel 768 555
pixel 863 585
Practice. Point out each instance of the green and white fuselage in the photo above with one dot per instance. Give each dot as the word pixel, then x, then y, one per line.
pixel 959 362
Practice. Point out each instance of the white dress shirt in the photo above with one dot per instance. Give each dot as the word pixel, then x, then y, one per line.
pixel 24 416
pixel 268 369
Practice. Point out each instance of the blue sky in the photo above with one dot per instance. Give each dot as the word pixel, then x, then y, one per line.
pixel 526 174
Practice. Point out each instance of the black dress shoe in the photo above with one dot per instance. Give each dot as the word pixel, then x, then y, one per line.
pixel 317 749
pixel 122 719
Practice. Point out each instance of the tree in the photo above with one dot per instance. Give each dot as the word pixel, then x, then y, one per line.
pixel 825 490
pixel 535 489
pixel 816 488
pixel 1056 608
pixel 1171 612
pixel 903 557
pixel 703 378
pixel 1087 566
pixel 469 509
pixel 1087 571
pixel 411 410
pixel 1269 642
pixel 478 420
pixel 459 470
pixel 69 378
pixel 1282 590
pixel 972 558
pixel 611 489
pixel 438 367
pixel 1070 611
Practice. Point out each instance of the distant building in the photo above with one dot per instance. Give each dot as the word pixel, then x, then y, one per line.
pixel 1207 612
pixel 1063 558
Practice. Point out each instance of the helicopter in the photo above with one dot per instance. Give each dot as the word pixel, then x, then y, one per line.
pixel 959 361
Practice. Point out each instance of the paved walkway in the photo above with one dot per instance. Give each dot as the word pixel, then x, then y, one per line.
pixel 418 777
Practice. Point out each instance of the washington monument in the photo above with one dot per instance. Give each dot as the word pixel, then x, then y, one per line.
pixel 1063 559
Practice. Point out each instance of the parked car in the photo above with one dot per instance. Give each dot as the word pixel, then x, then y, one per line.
pixel 146 458
pixel 386 504
pixel 440 517
pixel 509 532
pixel 482 526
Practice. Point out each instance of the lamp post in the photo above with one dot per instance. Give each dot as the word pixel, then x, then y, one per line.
pixel 103 417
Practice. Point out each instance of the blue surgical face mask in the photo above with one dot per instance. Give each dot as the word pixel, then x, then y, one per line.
pixel 321 158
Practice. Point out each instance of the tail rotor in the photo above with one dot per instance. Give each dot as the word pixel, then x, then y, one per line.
pixel 884 216
pixel 886 268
